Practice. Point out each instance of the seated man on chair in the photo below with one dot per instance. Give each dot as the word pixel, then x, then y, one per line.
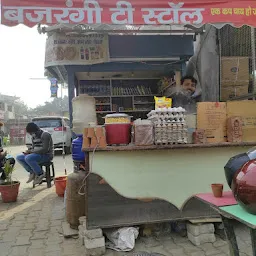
pixel 41 152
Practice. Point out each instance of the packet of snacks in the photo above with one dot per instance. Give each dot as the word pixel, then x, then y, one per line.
pixel 163 102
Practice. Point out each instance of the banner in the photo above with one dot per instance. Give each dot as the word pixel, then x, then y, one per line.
pixel 76 50
pixel 54 87
pixel 140 12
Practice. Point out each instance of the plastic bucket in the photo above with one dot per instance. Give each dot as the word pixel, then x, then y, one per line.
pixel 60 185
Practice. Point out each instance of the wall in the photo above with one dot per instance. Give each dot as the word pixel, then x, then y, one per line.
pixel 6 111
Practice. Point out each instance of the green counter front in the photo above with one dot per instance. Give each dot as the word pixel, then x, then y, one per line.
pixel 171 175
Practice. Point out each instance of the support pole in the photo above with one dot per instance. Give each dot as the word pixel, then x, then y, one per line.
pixel 71 95
pixel 253 61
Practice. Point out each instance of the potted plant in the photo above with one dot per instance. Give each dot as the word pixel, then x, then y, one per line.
pixel 9 189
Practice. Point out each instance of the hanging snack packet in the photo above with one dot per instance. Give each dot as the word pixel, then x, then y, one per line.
pixel 163 102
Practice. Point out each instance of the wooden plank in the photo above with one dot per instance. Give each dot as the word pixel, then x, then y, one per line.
pixel 178 78
pixel 231 236
pixel 225 200
pixel 205 220
pixel 238 213
pixel 164 147
pixel 253 240
pixel 106 208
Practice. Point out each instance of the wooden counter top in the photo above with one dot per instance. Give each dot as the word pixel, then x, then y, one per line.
pixel 177 146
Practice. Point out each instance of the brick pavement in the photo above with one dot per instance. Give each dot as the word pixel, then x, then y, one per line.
pixel 32 227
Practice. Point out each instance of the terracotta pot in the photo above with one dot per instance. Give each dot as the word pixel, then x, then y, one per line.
pixel 217 190
pixel 10 192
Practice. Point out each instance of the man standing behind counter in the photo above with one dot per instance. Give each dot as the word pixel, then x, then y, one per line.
pixel 41 152
pixel 186 96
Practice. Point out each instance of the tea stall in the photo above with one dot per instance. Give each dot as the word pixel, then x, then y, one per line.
pixel 146 183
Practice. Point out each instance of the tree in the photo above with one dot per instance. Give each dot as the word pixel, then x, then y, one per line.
pixel 55 107
pixel 20 108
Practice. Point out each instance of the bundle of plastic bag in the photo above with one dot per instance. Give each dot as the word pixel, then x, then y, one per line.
pixel 122 239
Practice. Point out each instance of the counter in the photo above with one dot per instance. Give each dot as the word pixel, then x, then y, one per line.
pixel 173 174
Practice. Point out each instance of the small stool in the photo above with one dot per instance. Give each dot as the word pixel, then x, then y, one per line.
pixel 48 168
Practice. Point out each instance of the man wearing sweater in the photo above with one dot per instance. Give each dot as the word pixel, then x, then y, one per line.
pixel 41 151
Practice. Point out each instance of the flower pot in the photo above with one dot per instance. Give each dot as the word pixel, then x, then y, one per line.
pixel 60 185
pixel 217 190
pixel 10 192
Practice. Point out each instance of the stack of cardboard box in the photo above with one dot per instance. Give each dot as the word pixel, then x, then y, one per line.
pixel 94 137
pixel 235 77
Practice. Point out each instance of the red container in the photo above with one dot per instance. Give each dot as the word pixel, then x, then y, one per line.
pixel 244 186
pixel 118 134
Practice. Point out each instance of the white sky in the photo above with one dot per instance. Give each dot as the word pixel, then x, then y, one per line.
pixel 22 52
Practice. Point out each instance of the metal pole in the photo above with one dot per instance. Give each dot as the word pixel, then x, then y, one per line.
pixel 253 61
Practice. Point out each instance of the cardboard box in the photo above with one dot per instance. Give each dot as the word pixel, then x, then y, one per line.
pixel 247 111
pixel 230 92
pixel 191 124
pixel 212 117
pixel 235 129
pixel 234 71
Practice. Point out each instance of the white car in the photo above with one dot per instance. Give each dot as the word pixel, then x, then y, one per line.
pixel 58 127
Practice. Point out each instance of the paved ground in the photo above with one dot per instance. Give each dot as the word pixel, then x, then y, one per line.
pixel 32 227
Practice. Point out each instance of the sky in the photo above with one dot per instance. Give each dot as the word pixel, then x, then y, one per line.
pixel 22 52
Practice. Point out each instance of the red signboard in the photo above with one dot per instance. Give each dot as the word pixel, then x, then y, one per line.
pixel 140 12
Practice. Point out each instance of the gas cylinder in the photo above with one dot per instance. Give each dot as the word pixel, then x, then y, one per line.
pixel 75 202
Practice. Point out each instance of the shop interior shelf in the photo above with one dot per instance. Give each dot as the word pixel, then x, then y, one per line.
pixel 141 95
pixel 142 103
pixel 101 96
pixel 102 112
pixel 168 86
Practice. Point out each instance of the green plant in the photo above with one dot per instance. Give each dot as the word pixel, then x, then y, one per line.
pixel 8 169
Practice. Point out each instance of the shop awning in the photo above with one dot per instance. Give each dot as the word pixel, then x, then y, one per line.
pixel 132 12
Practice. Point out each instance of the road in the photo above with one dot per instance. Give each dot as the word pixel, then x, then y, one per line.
pixel 21 175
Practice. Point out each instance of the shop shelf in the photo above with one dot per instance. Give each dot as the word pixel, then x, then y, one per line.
pixel 102 112
pixel 143 103
pixel 146 95
pixel 101 96
pixel 168 86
